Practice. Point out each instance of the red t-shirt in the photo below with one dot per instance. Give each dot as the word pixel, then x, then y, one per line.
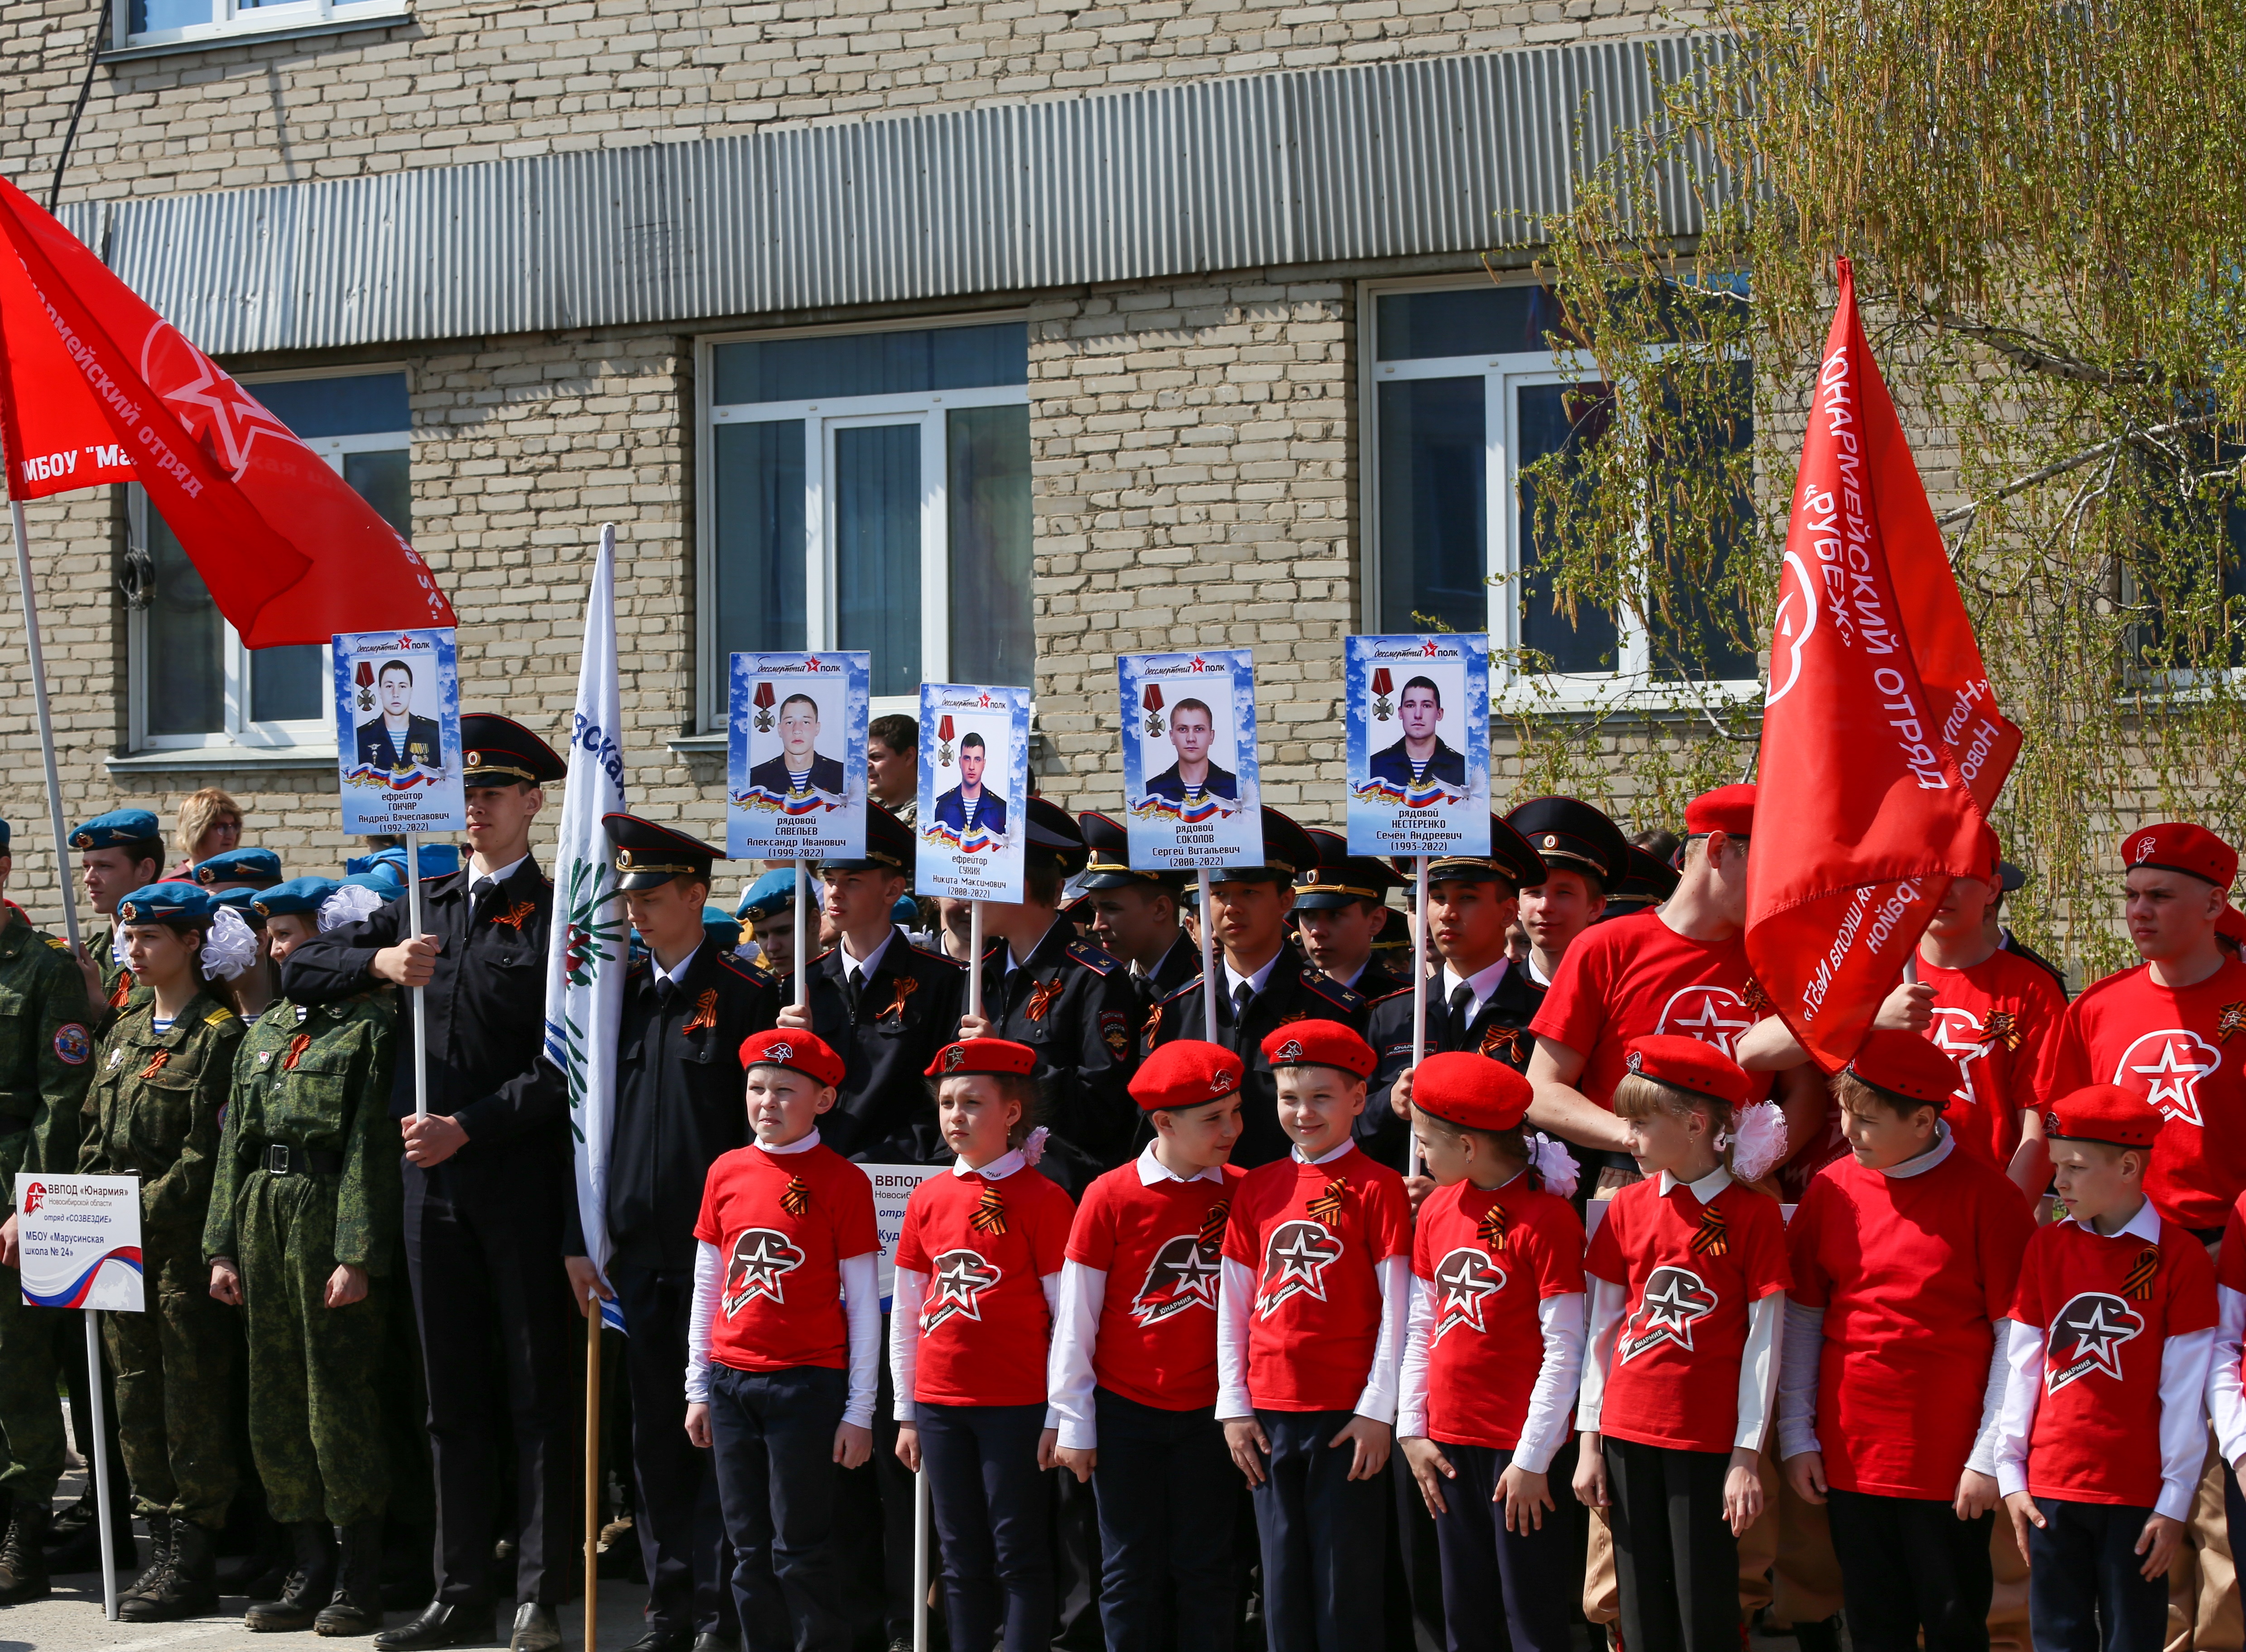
pixel 1156 1342
pixel 2097 1434
pixel 1998 1020
pixel 1913 1272
pixel 781 1303
pixel 2172 1049
pixel 1675 1379
pixel 1486 1344
pixel 2230 1262
pixel 1317 1316
pixel 1635 976
pixel 983 1325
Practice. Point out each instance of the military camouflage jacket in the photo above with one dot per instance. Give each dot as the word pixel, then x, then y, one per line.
pixel 154 1112
pixel 46 1053
pixel 318 1079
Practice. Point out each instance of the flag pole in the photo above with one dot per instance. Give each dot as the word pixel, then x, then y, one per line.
pixel 923 1520
pixel 1419 981
pixel 1208 961
pixel 802 957
pixel 413 927
pixel 96 1452
pixel 975 958
pixel 592 1464
pixel 38 665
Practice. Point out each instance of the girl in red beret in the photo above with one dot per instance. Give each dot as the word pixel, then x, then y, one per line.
pixel 978 1275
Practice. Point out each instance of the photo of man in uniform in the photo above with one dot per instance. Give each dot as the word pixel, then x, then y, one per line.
pixel 1421 756
pixel 1193 732
pixel 967 805
pixel 799 768
pixel 395 740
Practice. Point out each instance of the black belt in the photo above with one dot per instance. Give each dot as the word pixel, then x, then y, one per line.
pixel 280 1159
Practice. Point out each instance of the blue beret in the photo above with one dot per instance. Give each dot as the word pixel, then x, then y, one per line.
pixel 721 927
pixel 168 902
pixel 240 865
pixel 774 892
pixel 116 829
pixel 3 837
pixel 294 898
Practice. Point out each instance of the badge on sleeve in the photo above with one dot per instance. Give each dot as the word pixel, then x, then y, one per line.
pixel 73 1043
pixel 1116 1031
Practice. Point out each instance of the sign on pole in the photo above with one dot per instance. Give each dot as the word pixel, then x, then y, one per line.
pixel 974 785
pixel 1418 714
pixel 80 1242
pixel 893 1190
pixel 1191 784
pixel 398 731
pixel 795 766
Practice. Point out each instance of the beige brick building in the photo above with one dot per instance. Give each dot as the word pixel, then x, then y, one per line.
pixel 997 337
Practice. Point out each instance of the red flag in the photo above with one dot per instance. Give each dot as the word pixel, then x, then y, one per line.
pixel 1862 812
pixel 96 387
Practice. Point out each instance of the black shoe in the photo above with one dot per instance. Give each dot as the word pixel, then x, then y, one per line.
pixel 537 1628
pixel 305 1589
pixel 718 1641
pixel 442 1624
pixel 79 1515
pixel 355 1608
pixel 188 1585
pixel 23 1554
pixel 159 1561
pixel 664 1641
pixel 80 1551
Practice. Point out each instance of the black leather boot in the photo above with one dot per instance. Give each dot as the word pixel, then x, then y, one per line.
pixel 187 1587
pixel 441 1624
pixel 23 1554
pixel 160 1561
pixel 310 1580
pixel 356 1606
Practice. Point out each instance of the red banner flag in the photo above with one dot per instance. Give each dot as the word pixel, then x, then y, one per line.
pixel 95 387
pixel 1865 809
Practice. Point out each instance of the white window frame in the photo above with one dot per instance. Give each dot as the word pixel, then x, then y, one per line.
pixel 821 418
pixel 230 19
pixel 1632 686
pixel 301 735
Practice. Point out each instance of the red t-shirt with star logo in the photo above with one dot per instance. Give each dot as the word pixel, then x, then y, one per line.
pixel 984 1327
pixel 1156 1342
pixel 1315 1250
pixel 780 1302
pixel 1674 1377
pixel 2097 1432
pixel 2175 1050
pixel 1485 1344
pixel 1635 976
pixel 1998 1021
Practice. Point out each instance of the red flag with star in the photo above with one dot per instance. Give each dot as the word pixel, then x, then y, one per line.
pixel 97 388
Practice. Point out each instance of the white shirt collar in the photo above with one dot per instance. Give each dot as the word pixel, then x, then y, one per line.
pixel 1014 964
pixel 1257 981
pixel 1483 983
pixel 1152 1170
pixel 802 1144
pixel 867 965
pixel 1927 1160
pixel 1706 1189
pixel 678 975
pixel 1328 1156
pixel 2145 1225
pixel 498 877
pixel 998 1170
pixel 1536 977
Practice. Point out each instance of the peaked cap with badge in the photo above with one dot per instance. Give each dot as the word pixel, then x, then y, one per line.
pixel 497 751
pixel 1569 835
pixel 889 848
pixel 1510 860
pixel 1108 865
pixel 648 856
pixel 1339 877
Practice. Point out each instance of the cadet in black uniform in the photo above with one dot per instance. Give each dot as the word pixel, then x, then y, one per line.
pixel 687 1008
pixel 1646 881
pixel 1341 907
pixel 1067 999
pixel 1261 982
pixel 489 1187
pixel 1584 853
pixel 1136 914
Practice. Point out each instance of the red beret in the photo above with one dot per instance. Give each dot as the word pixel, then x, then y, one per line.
pixel 1988 855
pixel 1907 1065
pixel 1728 808
pixel 2177 845
pixel 1186 1073
pixel 2103 1112
pixel 1688 1064
pixel 1470 1091
pixel 1318 1043
pixel 802 1052
pixel 2231 924
pixel 984 1055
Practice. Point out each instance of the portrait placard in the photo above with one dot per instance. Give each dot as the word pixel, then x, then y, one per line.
pixel 1417 712
pixel 795 766
pixel 1190 782
pixel 974 781
pixel 398 731
pixel 80 1242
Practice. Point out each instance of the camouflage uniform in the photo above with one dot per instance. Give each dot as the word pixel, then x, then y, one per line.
pixel 314 1084
pixel 46 1052
pixel 154 1112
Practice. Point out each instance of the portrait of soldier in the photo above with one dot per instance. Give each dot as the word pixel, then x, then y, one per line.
pixel 1193 733
pixel 394 739
pixel 799 768
pixel 968 804
pixel 1421 756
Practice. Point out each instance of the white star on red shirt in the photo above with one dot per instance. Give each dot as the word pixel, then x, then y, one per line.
pixel 1301 1251
pixel 1465 1279
pixel 961 1277
pixel 2171 1090
pixel 1709 1026
pixel 1180 1277
pixel 762 1260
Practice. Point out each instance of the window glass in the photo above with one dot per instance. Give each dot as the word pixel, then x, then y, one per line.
pixel 988 493
pixel 1558 419
pixel 899 364
pixel 1434 521
pixel 187 643
pixel 877 549
pixel 358 404
pixel 153 16
pixel 383 479
pixel 758 504
pixel 1471 321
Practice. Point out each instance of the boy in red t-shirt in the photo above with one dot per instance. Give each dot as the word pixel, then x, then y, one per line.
pixel 1134 1369
pixel 1686 1273
pixel 2103 1434
pixel 970 1323
pixel 1310 1319
pixel 1906 1257
pixel 783 1342
pixel 1492 1354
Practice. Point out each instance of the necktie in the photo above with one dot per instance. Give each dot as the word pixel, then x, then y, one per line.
pixel 1243 995
pixel 853 986
pixel 1461 1002
pixel 481 895
pixel 665 990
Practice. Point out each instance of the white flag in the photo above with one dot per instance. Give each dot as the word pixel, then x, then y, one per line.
pixel 585 968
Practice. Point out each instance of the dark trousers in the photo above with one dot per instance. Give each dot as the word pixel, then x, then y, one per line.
pixel 992 1511
pixel 2084 1590
pixel 1530 1586
pixel 1907 1564
pixel 1320 1533
pixel 1676 1562
pixel 1166 1487
pixel 682 1531
pixel 772 1436
pixel 492 1302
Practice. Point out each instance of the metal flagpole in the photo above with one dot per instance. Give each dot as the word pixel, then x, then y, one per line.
pixel 975 958
pixel 802 945
pixel 1207 961
pixel 923 1519
pixel 592 1464
pixel 1418 981
pixel 46 725
pixel 96 1451
pixel 413 924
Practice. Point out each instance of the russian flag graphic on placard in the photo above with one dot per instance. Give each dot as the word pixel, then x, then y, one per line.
pixel 74 1294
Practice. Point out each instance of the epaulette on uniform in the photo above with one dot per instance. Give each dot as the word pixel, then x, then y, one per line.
pixel 1400 992
pixel 1190 987
pixel 1101 963
pixel 219 1017
pixel 748 971
pixel 59 943
pixel 1332 991
pixel 634 964
pixel 926 952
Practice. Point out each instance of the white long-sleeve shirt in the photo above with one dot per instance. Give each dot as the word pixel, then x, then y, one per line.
pixel 1544 1430
pixel 2226 1402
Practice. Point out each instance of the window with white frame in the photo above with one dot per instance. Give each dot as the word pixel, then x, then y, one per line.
pixel 163 23
pixel 1465 394
pixel 870 490
pixel 194 684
